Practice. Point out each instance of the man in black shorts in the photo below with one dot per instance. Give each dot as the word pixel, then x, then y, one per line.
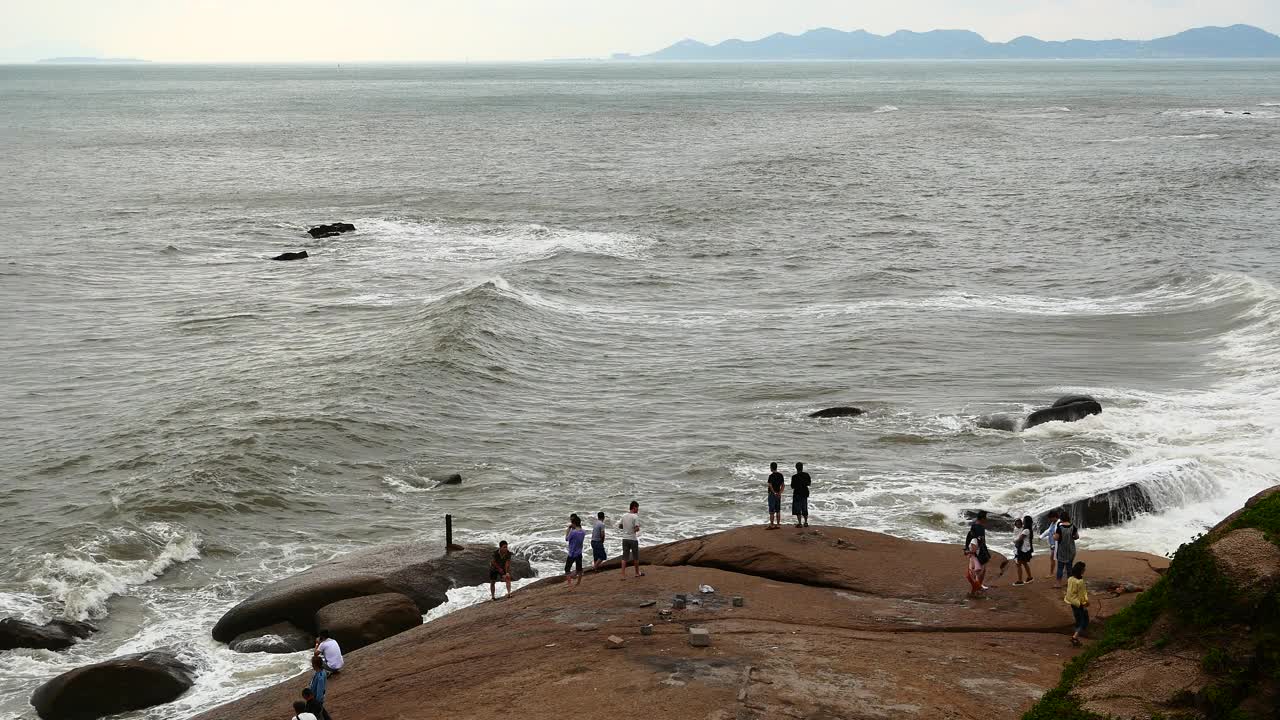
pixel 499 567
pixel 775 497
pixel 800 495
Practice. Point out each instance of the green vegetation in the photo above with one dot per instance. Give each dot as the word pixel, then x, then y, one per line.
pixel 1243 636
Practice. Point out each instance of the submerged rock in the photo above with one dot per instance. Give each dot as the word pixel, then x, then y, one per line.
pixel 129 682
pixel 1000 421
pixel 363 621
pixel 292 256
pixel 836 412
pixel 324 231
pixel 283 637
pixel 416 570
pixel 1112 507
pixel 55 635
pixel 1067 409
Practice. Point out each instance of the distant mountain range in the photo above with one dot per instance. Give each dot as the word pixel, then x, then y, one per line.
pixel 1237 41
pixel 87 60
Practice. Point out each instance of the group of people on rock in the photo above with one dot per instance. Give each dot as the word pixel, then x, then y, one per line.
pixel 1061 535
pixel 326 662
pixel 575 536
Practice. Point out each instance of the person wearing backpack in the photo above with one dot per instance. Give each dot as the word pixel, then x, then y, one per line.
pixel 1065 553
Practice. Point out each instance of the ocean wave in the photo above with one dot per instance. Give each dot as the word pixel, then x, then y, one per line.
pixel 83 579
pixel 886 109
pixel 1151 138
pixel 481 244
pixel 1221 113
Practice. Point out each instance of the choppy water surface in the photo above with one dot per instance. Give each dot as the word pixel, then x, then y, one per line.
pixel 578 284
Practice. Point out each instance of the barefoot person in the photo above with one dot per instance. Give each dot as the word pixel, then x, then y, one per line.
pixel 329 653
pixel 775 496
pixel 1051 527
pixel 598 555
pixel 630 527
pixel 1078 598
pixel 499 567
pixel 574 534
pixel 974 570
pixel 1022 549
pixel 800 495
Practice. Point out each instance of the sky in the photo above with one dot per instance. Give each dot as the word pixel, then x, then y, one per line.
pixel 475 30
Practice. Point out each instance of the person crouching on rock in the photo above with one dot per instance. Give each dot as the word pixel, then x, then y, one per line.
pixel 499 567
pixel 314 695
pixel 1022 549
pixel 574 534
pixel 1078 598
pixel 328 652
pixel 300 711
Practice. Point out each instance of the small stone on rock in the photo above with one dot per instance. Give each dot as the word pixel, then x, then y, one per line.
pixel 614 642
pixel 699 637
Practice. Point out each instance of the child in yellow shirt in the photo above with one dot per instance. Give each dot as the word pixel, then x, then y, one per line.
pixel 1078 598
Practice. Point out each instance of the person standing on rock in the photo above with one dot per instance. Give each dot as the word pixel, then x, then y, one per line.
pixel 499 567
pixel 776 483
pixel 630 527
pixel 1067 535
pixel 598 555
pixel 1050 530
pixel 1078 598
pixel 574 534
pixel 1022 549
pixel 800 495
pixel 975 547
pixel 319 681
pixel 328 651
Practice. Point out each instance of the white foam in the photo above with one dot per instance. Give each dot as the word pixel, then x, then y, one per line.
pixel 886 109
pixel 488 244
pixel 83 579
pixel 1153 138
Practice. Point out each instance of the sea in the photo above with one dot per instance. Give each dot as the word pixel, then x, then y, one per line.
pixel 578 284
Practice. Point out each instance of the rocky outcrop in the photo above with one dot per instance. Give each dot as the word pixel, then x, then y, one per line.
pixel 363 621
pixel 292 256
pixel 129 682
pixel 416 570
pixel 283 637
pixel 55 635
pixel 1203 644
pixel 1112 507
pixel 324 231
pixel 837 412
pixel 1000 421
pixel 1067 409
pixel 829 628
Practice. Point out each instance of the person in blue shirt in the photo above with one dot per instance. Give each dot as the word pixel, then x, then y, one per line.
pixel 319 681
pixel 574 534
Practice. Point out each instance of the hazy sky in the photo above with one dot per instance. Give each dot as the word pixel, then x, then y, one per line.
pixel 352 30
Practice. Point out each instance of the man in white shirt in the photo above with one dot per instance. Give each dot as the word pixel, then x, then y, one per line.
pixel 630 527
pixel 300 711
pixel 329 652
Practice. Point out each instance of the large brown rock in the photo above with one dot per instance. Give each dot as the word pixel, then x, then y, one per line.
pixel 836 623
pixel 55 635
pixel 129 682
pixel 363 621
pixel 1249 561
pixel 417 570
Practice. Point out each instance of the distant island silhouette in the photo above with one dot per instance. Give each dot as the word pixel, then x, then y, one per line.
pixel 1236 41
pixel 88 60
